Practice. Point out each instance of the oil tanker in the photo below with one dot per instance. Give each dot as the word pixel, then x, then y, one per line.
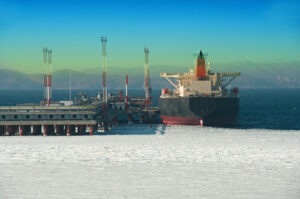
pixel 200 97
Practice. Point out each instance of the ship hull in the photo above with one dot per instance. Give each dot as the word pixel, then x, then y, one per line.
pixel 213 111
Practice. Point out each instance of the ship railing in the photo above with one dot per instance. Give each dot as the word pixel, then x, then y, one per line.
pixel 44 109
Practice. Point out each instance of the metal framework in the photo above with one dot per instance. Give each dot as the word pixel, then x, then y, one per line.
pixel 126 93
pixel 47 76
pixel 104 80
pixel 147 83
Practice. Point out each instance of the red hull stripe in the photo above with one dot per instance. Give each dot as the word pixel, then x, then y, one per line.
pixel 181 120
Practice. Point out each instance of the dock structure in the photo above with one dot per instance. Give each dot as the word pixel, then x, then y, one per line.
pixel 73 120
pixel 35 120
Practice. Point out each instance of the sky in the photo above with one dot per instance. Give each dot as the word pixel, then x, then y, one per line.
pixel 228 31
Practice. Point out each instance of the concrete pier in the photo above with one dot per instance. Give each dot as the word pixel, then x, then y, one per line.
pixel 69 120
pixel 43 120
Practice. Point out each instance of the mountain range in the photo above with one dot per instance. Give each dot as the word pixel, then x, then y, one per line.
pixel 254 75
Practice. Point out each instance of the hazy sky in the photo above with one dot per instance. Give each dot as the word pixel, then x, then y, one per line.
pixel 229 31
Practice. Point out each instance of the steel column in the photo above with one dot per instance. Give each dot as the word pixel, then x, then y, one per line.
pixel 45 130
pixel 21 130
pixel 92 129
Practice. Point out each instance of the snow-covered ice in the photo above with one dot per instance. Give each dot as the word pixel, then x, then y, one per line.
pixel 162 162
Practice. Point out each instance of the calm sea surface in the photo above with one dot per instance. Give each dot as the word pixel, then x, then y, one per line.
pixel 259 108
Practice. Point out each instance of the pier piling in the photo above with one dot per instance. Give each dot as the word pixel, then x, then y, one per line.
pixel 92 129
pixel 21 130
pixel 45 130
pixel 69 130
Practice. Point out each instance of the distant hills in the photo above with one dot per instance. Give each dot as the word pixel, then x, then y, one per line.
pixel 264 75
pixel 254 75
pixel 10 79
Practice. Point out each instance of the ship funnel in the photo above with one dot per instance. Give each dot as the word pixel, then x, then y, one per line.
pixel 200 70
pixel 201 55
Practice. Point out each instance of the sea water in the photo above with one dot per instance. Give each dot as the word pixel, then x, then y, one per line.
pixel 259 108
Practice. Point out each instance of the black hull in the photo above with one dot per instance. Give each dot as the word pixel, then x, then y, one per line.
pixel 214 111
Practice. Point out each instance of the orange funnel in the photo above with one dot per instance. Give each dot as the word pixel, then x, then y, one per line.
pixel 201 72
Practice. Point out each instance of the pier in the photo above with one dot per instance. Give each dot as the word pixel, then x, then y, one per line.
pixel 36 120
pixel 72 120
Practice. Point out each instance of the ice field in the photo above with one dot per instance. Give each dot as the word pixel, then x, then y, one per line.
pixel 158 162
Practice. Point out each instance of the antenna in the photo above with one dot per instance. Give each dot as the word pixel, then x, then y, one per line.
pixel 104 81
pixel 70 82
pixel 50 61
pixel 47 54
pixel 126 93
pixel 45 58
pixel 147 85
pixel 45 74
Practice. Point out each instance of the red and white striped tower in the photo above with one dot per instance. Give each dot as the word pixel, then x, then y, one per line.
pixel 45 52
pixel 47 76
pixel 126 93
pixel 104 81
pixel 147 84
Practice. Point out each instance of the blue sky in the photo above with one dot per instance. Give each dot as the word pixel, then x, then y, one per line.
pixel 229 31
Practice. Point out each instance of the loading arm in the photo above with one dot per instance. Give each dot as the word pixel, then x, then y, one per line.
pixel 228 74
pixel 167 75
pixel 229 82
